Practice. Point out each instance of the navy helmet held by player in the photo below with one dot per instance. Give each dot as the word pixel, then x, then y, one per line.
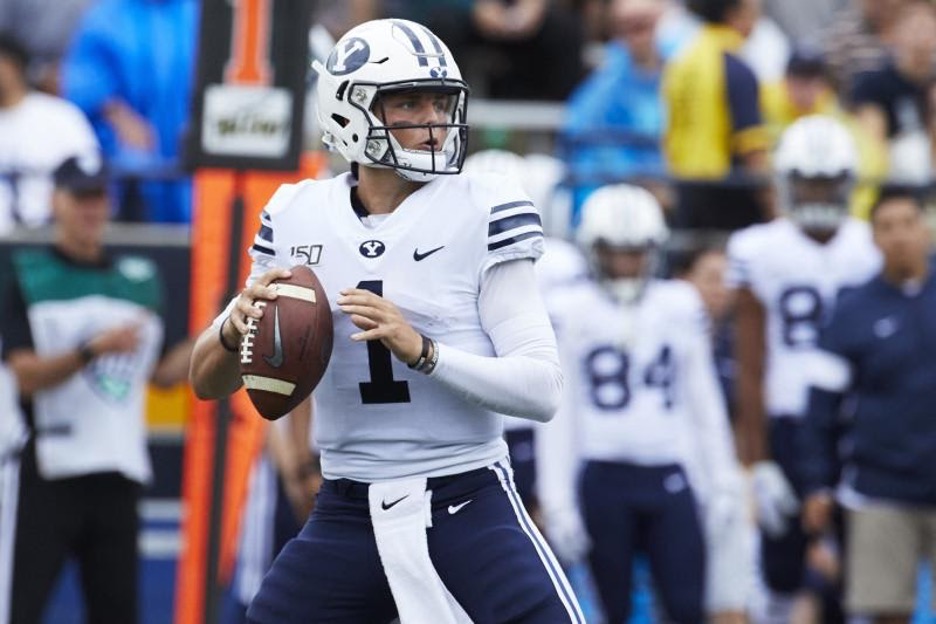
pixel 622 232
pixel 391 56
pixel 815 165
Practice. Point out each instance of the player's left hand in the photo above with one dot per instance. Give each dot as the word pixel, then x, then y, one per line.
pixel 379 319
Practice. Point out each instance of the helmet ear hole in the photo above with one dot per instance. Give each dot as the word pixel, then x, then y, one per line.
pixel 341 121
pixel 354 138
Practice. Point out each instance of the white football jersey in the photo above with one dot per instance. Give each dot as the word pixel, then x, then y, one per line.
pixel 636 392
pixel 375 419
pixel 797 280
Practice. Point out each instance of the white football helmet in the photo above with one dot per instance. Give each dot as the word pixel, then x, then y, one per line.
pixel 387 56
pixel 622 217
pixel 816 165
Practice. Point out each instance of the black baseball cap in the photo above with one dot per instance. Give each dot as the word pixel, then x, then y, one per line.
pixel 807 61
pixel 81 174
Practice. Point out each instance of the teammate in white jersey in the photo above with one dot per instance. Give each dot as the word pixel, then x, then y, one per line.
pixel 787 274
pixel 641 398
pixel 439 330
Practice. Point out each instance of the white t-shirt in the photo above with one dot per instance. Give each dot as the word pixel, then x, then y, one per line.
pixel 36 135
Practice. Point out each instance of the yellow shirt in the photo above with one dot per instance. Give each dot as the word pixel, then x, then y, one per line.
pixel 713 107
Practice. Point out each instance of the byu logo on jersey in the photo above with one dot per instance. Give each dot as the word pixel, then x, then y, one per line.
pixel 372 248
pixel 348 56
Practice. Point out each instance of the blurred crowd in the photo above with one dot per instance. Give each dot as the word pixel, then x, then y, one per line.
pixel 647 89
pixel 686 102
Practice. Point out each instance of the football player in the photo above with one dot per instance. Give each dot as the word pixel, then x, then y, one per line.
pixel 439 331
pixel 641 401
pixel 787 274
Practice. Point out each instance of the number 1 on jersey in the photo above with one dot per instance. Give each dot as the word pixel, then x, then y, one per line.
pixel 382 387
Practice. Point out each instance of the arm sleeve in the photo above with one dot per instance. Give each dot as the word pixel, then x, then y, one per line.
pixel 748 130
pixel 524 379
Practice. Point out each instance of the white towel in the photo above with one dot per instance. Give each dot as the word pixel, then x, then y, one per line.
pixel 400 512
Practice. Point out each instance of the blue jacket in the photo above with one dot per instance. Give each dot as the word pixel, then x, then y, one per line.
pixel 887 417
pixel 142 52
pixel 616 100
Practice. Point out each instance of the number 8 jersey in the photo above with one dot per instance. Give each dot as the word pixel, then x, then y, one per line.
pixel 375 419
pixel 797 280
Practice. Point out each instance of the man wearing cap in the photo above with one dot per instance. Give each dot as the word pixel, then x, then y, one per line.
pixel 82 336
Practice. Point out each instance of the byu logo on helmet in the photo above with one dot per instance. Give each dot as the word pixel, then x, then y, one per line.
pixel 348 56
pixel 372 248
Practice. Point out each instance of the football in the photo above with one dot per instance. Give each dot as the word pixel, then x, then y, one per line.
pixel 284 354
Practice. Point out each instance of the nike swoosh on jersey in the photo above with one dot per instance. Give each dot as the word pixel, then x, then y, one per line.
pixel 454 509
pixel 276 360
pixel 385 505
pixel 422 256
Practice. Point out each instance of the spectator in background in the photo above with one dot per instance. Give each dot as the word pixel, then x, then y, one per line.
pixel 714 124
pixel 614 120
pixel 82 336
pixel 857 39
pixel 45 28
pixel 880 373
pixel 891 103
pixel 130 69
pixel 527 50
pixel 37 132
pixel 705 269
pixel 805 90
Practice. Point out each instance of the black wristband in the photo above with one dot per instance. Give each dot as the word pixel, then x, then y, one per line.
pixel 85 353
pixel 421 361
pixel 221 339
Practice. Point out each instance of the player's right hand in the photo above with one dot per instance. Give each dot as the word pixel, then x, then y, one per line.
pixel 566 534
pixel 774 498
pixel 260 290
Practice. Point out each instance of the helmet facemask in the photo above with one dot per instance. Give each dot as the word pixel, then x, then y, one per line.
pixel 445 142
pixel 624 270
pixel 817 204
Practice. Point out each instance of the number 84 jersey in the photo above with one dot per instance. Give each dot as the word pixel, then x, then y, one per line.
pixel 797 280
pixel 638 379
pixel 375 419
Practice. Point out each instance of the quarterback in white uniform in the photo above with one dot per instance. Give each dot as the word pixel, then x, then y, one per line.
pixel 439 332
pixel 787 274
pixel 641 399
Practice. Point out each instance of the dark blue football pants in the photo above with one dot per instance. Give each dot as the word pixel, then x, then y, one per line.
pixel 629 509
pixel 482 544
